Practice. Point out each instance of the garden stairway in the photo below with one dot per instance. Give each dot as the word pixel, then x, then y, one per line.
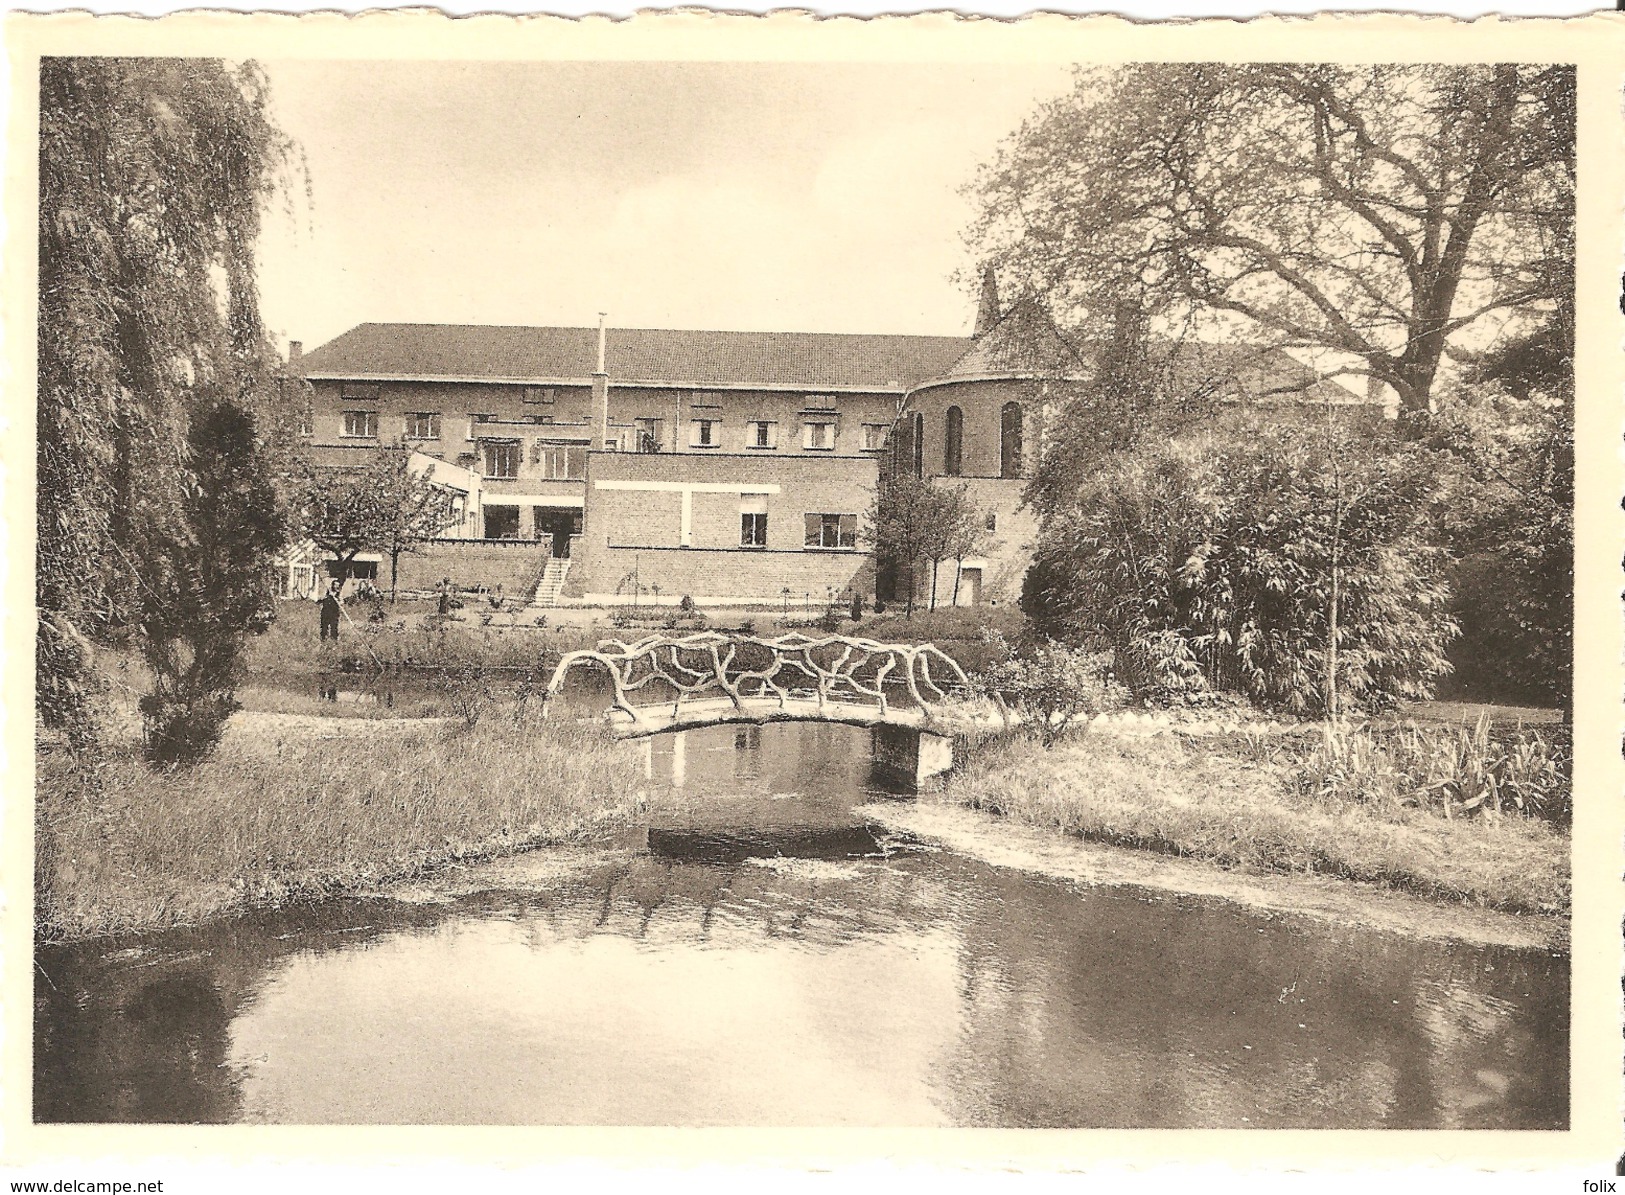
pixel 551 583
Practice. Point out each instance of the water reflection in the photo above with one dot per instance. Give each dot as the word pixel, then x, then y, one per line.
pixel 720 978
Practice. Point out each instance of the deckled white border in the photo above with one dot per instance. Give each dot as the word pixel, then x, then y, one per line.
pixel 442 1157
pixel 1139 10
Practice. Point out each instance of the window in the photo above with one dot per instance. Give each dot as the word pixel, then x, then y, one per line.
pixel 501 522
pixel 874 437
pixel 1010 440
pixel 704 433
pixel 539 394
pixel 753 520
pixel 761 433
pixel 501 460
pixel 423 425
pixel 307 421
pixel 818 434
pixel 917 445
pixel 953 432
pixel 361 424
pixel 362 390
pixel 831 531
pixel 560 462
pixel 649 435
pixel 992 520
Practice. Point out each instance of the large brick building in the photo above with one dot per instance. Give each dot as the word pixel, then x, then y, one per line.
pixel 593 464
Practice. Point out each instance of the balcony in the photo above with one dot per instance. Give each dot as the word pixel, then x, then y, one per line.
pixel 499 429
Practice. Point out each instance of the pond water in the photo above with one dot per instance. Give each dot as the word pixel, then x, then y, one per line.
pixel 758 954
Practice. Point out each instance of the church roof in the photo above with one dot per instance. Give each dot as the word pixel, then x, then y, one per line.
pixel 1034 349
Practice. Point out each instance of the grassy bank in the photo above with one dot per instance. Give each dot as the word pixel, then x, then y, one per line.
pixel 408 637
pixel 957 631
pixel 1205 799
pixel 281 817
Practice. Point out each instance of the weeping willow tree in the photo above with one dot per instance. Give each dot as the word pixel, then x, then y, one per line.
pixel 160 426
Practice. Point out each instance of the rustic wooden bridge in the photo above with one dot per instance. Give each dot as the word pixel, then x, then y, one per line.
pixel 711 678
pixel 915 695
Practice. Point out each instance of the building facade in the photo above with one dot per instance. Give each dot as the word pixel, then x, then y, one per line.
pixel 601 466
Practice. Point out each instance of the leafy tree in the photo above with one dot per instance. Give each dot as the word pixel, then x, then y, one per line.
pixel 415 510
pixel 67 682
pixel 1282 563
pixel 895 519
pixel 153 176
pixel 1135 387
pixel 1509 426
pixel 387 505
pixel 1374 215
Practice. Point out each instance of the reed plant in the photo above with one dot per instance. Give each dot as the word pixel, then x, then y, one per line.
pixel 1467 770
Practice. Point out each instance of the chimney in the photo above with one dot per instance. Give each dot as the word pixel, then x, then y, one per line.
pixel 987 311
pixel 600 391
pixel 296 349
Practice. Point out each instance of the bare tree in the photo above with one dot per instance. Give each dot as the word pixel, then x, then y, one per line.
pixel 388 505
pixel 966 534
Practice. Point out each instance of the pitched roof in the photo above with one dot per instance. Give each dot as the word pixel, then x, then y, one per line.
pixel 803 360
pixel 1017 348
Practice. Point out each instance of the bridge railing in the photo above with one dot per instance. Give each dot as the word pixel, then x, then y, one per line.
pixel 825 669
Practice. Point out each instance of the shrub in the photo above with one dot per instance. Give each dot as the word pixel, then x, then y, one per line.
pixel 1053 686
pixel 468 690
pixel 207 587
pixel 1228 563
pixel 1509 432
pixel 1514 605
pixel 947 624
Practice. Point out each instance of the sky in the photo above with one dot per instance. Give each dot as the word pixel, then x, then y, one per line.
pixel 757 196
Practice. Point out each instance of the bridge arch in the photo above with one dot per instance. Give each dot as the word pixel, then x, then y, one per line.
pixel 711 678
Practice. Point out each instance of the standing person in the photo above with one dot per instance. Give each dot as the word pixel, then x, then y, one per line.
pixel 444 591
pixel 330 611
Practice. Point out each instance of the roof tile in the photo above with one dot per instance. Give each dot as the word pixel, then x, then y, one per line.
pixel 699 358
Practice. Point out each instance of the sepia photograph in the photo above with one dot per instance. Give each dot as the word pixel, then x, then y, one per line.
pixel 1000 594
